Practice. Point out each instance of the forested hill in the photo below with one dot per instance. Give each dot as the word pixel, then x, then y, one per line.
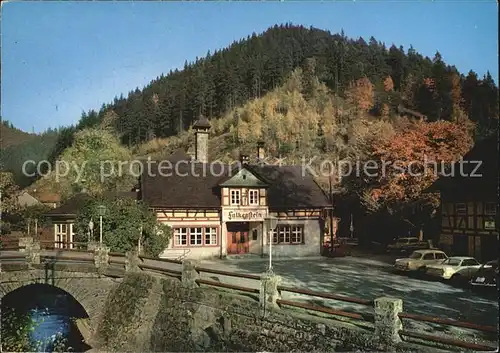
pixel 254 66
pixel 361 74
pixel 11 136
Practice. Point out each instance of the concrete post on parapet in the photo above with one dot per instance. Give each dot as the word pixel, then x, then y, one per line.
pixel 25 244
pixel 387 322
pixel 189 274
pixel 92 245
pixel 269 293
pixel 132 261
pixel 33 254
pixel 101 256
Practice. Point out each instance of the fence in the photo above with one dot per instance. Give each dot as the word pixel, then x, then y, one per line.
pixel 387 317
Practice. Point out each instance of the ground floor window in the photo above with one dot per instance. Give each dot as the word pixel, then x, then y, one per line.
pixel 63 235
pixel 195 236
pixel 288 234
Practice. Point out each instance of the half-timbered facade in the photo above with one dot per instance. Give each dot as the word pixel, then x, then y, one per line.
pixel 469 199
pixel 217 210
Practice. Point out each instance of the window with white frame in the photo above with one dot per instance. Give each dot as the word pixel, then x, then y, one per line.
pixel 274 234
pixel 61 234
pixel 297 235
pixel 288 234
pixel 490 208
pixel 196 236
pixel 180 236
pixel 253 197
pixel 284 234
pixel 210 236
pixel 235 197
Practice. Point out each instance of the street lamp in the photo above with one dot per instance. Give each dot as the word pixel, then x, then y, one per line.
pixel 91 228
pixel 101 211
pixel 271 223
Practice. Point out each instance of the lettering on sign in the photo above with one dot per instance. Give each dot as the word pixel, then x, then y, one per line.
pixel 245 215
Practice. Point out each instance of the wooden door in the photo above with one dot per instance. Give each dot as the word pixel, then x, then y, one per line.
pixel 238 239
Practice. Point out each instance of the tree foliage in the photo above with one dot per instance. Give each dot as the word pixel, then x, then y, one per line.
pixel 97 162
pixel 9 191
pixel 122 225
pixel 411 161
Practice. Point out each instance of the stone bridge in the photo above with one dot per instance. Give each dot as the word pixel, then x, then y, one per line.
pixel 137 306
pixel 89 288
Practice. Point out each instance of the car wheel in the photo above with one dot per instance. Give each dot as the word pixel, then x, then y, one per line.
pixel 457 280
pixel 421 272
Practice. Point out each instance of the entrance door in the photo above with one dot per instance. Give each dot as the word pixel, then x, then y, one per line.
pixel 238 238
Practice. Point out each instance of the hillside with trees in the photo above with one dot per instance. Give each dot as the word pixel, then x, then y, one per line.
pixel 305 92
pixel 11 136
pixel 254 66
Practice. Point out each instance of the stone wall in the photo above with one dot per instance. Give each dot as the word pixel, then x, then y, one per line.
pixel 148 313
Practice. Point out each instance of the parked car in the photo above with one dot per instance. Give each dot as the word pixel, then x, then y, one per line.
pixel 459 269
pixel 486 277
pixel 407 244
pixel 419 259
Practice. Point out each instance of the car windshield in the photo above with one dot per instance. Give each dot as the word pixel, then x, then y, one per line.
pixel 416 255
pixel 488 267
pixel 452 262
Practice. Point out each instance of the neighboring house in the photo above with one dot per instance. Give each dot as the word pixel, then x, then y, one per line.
pixel 51 200
pixel 32 198
pixel 469 213
pixel 63 218
pixel 217 210
pixel 25 199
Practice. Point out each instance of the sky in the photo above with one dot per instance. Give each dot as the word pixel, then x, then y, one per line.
pixel 62 58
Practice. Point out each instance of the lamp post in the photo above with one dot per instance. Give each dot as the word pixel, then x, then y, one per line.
pixel 271 223
pixel 91 228
pixel 101 210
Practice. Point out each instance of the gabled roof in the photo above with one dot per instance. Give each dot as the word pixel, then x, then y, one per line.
pixel 244 177
pixel 197 185
pixel 289 187
pixel 479 170
pixel 70 207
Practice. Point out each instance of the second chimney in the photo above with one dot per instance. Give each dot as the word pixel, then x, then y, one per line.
pixel 260 151
pixel 244 159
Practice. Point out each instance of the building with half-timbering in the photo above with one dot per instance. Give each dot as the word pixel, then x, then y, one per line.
pixel 469 199
pixel 219 209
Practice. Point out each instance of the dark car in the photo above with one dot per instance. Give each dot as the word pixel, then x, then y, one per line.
pixel 486 277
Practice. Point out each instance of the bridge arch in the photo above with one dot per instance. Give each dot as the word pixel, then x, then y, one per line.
pixel 90 290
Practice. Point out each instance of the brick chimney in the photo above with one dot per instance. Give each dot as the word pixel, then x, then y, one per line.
pixel 201 127
pixel 260 151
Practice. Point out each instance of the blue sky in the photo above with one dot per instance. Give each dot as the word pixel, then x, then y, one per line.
pixel 59 58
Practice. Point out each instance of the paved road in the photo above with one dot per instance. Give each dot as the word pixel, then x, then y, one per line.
pixel 368 279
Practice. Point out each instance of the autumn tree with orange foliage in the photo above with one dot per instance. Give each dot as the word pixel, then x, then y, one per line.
pixel 361 94
pixel 411 161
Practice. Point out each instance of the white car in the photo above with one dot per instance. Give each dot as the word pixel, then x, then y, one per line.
pixel 419 260
pixel 455 267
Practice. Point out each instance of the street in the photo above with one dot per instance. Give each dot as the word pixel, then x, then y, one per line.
pixel 368 279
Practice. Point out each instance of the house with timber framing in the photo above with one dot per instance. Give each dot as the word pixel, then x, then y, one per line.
pixel 219 209
pixel 469 203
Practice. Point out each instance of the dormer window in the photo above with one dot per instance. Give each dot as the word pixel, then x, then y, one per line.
pixel 253 197
pixel 235 197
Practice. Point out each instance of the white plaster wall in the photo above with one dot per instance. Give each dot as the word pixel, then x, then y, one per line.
pixel 312 240
pixel 256 245
pixel 195 252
